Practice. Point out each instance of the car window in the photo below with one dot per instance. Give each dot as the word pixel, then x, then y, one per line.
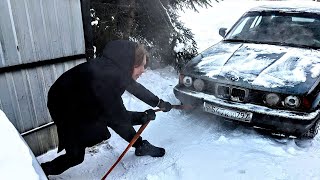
pixel 303 19
pixel 292 29
pixel 256 21
pixel 241 25
pixel 244 25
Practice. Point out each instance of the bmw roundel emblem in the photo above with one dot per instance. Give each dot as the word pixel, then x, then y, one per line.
pixel 234 78
pixel 231 76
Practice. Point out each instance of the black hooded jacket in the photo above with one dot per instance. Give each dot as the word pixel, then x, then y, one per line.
pixel 87 98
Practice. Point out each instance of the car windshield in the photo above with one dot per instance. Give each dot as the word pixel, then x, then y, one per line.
pixel 292 29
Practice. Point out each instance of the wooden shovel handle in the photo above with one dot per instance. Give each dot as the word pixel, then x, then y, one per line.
pixel 134 139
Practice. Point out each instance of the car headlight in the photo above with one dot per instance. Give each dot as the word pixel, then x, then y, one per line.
pixel 292 101
pixel 272 99
pixel 187 81
pixel 198 84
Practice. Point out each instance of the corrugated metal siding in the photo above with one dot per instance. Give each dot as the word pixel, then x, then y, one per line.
pixel 23 97
pixel 36 30
pixel 33 31
pixel 8 38
pixel 23 94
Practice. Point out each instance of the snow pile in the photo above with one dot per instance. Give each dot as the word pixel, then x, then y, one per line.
pixel 15 157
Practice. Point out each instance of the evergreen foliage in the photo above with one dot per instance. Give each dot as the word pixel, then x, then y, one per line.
pixel 152 22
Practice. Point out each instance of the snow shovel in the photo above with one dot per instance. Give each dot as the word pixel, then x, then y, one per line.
pixel 134 139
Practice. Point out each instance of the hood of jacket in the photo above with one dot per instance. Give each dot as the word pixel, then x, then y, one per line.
pixel 122 54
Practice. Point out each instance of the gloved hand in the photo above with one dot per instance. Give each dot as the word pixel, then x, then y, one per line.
pixel 149 114
pixel 164 106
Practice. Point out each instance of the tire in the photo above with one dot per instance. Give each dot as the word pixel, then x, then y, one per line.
pixel 312 132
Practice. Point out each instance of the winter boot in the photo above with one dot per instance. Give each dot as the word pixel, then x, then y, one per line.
pixel 148 149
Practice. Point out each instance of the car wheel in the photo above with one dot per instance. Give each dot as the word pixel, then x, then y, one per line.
pixel 313 131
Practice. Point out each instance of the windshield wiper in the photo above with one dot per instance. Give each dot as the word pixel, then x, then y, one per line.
pixel 301 45
pixel 294 45
pixel 273 43
pixel 242 40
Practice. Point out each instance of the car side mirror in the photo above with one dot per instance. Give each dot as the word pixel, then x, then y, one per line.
pixel 222 31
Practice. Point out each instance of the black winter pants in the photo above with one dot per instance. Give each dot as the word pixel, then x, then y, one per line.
pixel 75 155
pixel 72 157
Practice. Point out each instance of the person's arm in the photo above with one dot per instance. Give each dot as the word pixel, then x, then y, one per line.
pixel 136 117
pixel 143 94
pixel 148 97
pixel 140 118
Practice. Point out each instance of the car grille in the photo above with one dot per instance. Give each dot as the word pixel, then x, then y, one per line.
pixel 234 93
pixel 231 92
pixel 241 94
pixel 223 91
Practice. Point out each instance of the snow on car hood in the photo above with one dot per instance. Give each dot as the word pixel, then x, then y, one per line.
pixel 267 66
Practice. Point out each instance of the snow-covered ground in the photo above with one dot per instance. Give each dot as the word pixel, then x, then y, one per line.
pixel 198 145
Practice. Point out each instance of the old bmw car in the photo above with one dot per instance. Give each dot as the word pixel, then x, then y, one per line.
pixel 265 72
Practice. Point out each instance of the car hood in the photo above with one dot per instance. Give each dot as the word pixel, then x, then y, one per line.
pixel 266 67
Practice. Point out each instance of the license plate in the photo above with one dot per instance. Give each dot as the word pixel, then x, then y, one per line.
pixel 228 113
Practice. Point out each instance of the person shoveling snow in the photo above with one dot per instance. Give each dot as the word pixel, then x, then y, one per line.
pixel 86 100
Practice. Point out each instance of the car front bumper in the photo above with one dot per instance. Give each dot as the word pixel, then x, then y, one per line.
pixel 280 121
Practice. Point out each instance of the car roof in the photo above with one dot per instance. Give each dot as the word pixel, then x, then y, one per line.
pixel 306 7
